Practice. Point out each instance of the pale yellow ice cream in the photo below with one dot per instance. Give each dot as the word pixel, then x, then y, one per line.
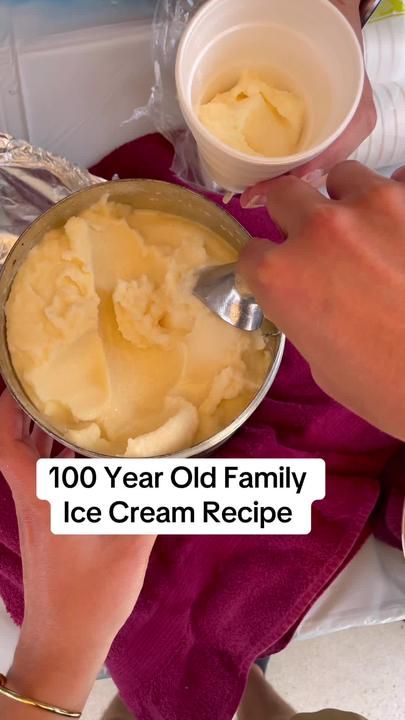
pixel 111 345
pixel 255 118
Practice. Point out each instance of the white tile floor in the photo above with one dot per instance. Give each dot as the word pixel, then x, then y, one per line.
pixel 100 698
pixel 359 670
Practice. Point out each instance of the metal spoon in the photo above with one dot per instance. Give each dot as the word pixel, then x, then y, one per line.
pixel 217 287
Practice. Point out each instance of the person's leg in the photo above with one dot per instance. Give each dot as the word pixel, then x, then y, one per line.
pixel 261 702
pixel 117 711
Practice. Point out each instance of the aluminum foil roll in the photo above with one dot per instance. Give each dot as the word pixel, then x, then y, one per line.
pixel 31 180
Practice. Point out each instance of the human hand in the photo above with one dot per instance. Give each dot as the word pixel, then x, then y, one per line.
pixel 336 286
pixel 362 124
pixel 79 590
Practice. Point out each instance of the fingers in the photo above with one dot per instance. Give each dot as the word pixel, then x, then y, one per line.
pixel 399 175
pixel 41 441
pixel 253 259
pixel 254 266
pixel 256 196
pixel 66 454
pixel 17 457
pixel 350 180
pixel 12 419
pixel 289 200
pixel 15 425
pixel 27 422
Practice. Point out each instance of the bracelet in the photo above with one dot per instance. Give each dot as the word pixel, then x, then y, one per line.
pixel 4 690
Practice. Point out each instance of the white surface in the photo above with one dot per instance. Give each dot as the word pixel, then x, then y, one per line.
pixel 384 52
pixel 99 700
pixel 301 45
pixel 386 144
pixel 371 590
pixel 360 670
pixel 72 92
pixel 8 639
pixel 384 49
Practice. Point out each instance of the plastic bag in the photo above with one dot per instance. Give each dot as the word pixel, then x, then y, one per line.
pixel 170 20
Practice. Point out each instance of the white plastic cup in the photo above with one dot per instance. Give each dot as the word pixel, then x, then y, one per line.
pixel 306 47
pixel 386 145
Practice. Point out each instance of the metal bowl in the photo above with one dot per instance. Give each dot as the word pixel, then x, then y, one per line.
pixel 145 195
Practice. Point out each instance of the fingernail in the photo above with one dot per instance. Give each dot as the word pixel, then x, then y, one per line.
pixel 316 178
pixel 228 197
pixel 257 201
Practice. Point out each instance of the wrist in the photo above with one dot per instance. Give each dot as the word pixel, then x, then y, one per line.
pixel 62 636
pixel 55 672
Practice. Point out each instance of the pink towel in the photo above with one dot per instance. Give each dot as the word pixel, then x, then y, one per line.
pixel 210 606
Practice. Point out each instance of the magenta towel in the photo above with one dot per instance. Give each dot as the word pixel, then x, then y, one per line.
pixel 210 606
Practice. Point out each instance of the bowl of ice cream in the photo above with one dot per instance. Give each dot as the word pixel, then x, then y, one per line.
pixel 102 341
pixel 266 85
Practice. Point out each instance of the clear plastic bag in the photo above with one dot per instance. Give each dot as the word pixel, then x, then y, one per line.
pixel 170 20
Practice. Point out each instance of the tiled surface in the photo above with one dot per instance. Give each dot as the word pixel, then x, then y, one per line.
pixel 100 698
pixel 360 670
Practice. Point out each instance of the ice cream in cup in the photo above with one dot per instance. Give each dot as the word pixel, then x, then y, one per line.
pixel 266 85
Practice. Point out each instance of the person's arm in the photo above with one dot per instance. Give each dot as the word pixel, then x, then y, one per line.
pixel 336 286
pixel 53 671
pixel 78 590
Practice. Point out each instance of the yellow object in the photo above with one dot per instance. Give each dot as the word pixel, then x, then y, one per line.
pixel 389 8
pixel 255 118
pixel 110 344
pixel 16 697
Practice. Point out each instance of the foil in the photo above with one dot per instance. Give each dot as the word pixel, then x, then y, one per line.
pixel 31 181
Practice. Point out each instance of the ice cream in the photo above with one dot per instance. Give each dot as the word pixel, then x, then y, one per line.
pixel 110 344
pixel 255 118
